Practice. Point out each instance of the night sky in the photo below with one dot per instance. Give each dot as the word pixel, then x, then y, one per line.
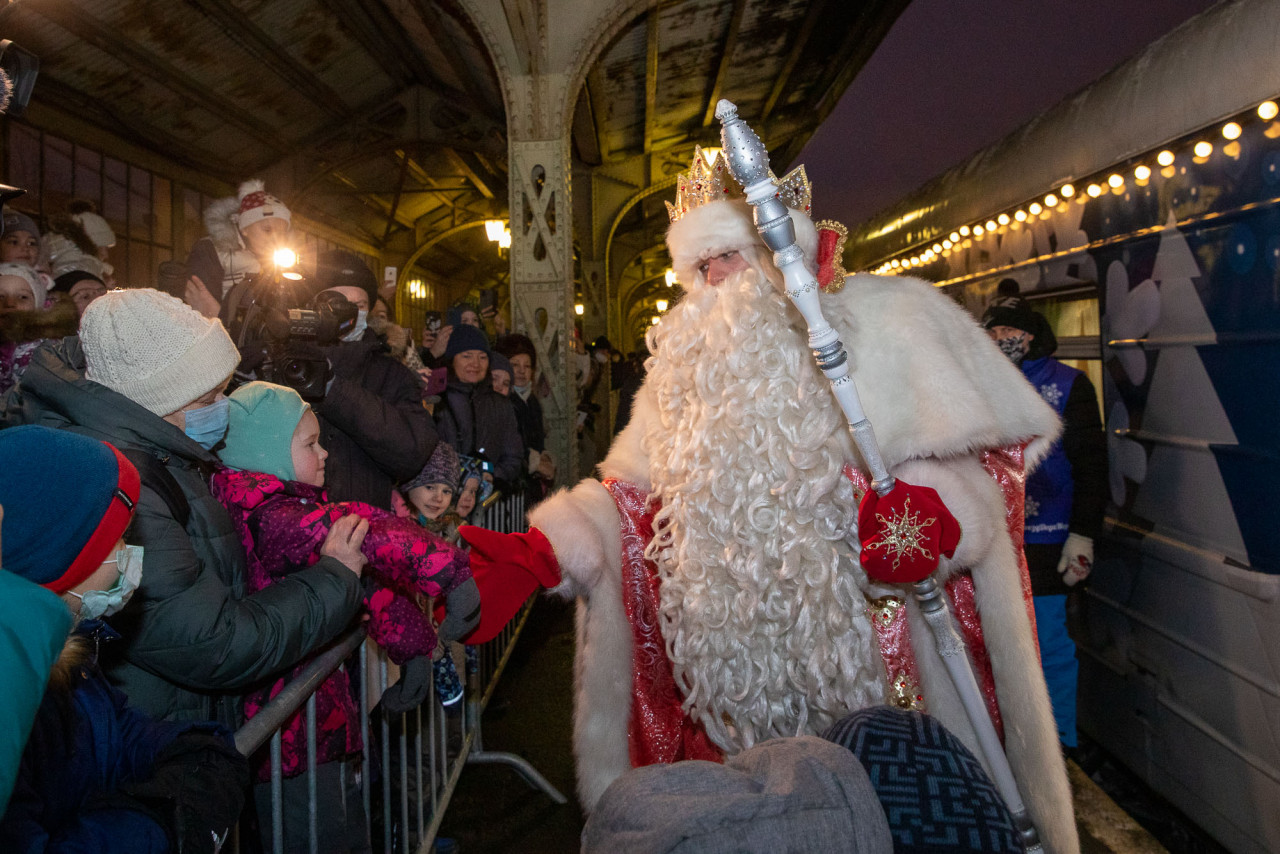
pixel 954 76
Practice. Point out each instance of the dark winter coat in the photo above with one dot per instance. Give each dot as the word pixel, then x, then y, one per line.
pixel 474 418
pixel 86 745
pixel 373 423
pixel 195 637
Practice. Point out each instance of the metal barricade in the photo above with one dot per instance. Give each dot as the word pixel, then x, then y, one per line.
pixel 431 744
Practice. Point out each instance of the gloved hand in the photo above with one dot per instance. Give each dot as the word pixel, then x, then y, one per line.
pixel 1077 559
pixel 409 692
pixel 462 612
pixel 905 533
pixel 197 786
pixel 507 569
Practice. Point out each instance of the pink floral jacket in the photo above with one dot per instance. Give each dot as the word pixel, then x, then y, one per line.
pixel 282 525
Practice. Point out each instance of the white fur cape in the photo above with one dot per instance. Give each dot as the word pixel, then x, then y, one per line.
pixel 937 392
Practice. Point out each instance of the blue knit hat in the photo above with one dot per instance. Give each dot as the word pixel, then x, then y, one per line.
pixel 464 338
pixel 67 500
pixel 263 417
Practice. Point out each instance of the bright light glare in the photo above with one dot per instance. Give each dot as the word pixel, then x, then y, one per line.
pixel 1203 148
pixel 671 277
pixel 504 240
pixel 662 305
pixel 1142 173
pixel 579 309
pixel 653 321
pixel 964 231
pixel 493 229
pixel 1003 219
pixel 1067 191
pixel 1268 110
pixel 1165 158
pixel 1231 130
pixel 1020 215
pixel 978 231
pixel 1034 209
pixel 1115 181
pixel 1094 190
pixel 285 257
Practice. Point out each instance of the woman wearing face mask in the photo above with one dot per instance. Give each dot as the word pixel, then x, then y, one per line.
pixel 96 774
pixel 147 374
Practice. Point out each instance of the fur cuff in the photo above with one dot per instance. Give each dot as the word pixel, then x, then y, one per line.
pixel 576 522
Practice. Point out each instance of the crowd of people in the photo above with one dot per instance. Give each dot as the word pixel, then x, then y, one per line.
pixel 234 490
pixel 280 488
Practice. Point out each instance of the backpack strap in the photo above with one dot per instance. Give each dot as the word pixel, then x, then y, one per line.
pixel 155 475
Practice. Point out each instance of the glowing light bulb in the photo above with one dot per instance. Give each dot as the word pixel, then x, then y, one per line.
pixel 991 225
pixel 947 244
pixel 978 231
pixel 964 231
pixel 1094 190
pixel 1203 148
pixel 954 237
pixel 1051 201
pixel 895 263
pixel 1020 215
pixel 1231 130
pixel 284 257
pixel 937 247
pixel 1115 181
pixel 579 309
pixel 493 229
pixel 653 321
pixel 1142 173
pixel 504 242
pixel 1268 110
pixel 1067 191
pixel 662 305
pixel 1034 209
pixel 1003 219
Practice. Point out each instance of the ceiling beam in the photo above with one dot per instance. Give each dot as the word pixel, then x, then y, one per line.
pixel 651 76
pixel 395 201
pixel 459 160
pixel 861 39
pixel 726 56
pixel 384 38
pixel 241 29
pixel 93 31
pixel 383 208
pixel 480 92
pixel 595 88
pixel 798 44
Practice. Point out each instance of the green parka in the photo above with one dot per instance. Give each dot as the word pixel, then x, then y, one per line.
pixel 193 639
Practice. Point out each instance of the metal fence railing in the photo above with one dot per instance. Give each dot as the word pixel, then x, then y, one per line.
pixel 416 759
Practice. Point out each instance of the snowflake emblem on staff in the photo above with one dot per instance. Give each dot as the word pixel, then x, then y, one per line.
pixel 902 534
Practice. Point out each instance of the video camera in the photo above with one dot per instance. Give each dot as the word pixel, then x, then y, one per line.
pixel 280 338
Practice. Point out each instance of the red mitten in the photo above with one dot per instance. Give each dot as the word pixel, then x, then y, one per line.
pixel 508 568
pixel 905 533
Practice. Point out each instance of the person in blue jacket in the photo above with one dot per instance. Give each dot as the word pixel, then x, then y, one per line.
pixel 95 774
pixel 1065 496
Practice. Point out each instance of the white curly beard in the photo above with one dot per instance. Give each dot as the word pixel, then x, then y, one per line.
pixel 764 618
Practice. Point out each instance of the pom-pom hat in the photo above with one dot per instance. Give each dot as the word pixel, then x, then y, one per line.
pixel 91 488
pixel 256 204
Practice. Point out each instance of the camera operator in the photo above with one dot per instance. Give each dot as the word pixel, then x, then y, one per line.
pixel 244 231
pixel 372 420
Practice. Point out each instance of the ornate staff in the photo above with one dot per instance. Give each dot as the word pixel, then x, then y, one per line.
pixel 902 534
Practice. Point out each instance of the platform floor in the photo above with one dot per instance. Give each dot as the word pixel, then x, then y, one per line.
pixel 493 812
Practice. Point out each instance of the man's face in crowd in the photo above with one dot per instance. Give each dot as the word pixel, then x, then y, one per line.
pixel 16 295
pixel 716 270
pixel 86 291
pixel 356 296
pixel 20 247
pixel 470 366
pixel 522 370
pixel 265 236
pixel 1013 342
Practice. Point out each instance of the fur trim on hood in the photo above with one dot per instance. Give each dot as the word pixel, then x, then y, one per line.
pixel 220 222
pixel 717 227
pixel 57 321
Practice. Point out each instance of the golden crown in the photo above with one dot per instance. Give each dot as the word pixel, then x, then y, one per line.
pixel 703 184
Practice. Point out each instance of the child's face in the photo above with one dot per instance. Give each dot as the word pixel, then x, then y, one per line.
pixel 16 295
pixel 467 500
pixel 20 246
pixel 308 455
pixel 431 500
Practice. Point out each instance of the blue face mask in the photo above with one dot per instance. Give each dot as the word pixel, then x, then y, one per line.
pixel 357 331
pixel 207 425
pixel 103 603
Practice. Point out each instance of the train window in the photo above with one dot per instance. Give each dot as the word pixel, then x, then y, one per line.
pixel 1075 320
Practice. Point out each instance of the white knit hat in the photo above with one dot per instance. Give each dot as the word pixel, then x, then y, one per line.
pixel 257 204
pixel 96 228
pixel 39 291
pixel 154 349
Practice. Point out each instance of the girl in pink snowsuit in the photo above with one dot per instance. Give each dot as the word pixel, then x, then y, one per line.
pixel 274 493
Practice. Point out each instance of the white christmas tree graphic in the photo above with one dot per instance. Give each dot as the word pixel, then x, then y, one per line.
pixel 1184 493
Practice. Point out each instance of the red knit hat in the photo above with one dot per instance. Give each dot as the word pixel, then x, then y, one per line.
pixel 257 204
